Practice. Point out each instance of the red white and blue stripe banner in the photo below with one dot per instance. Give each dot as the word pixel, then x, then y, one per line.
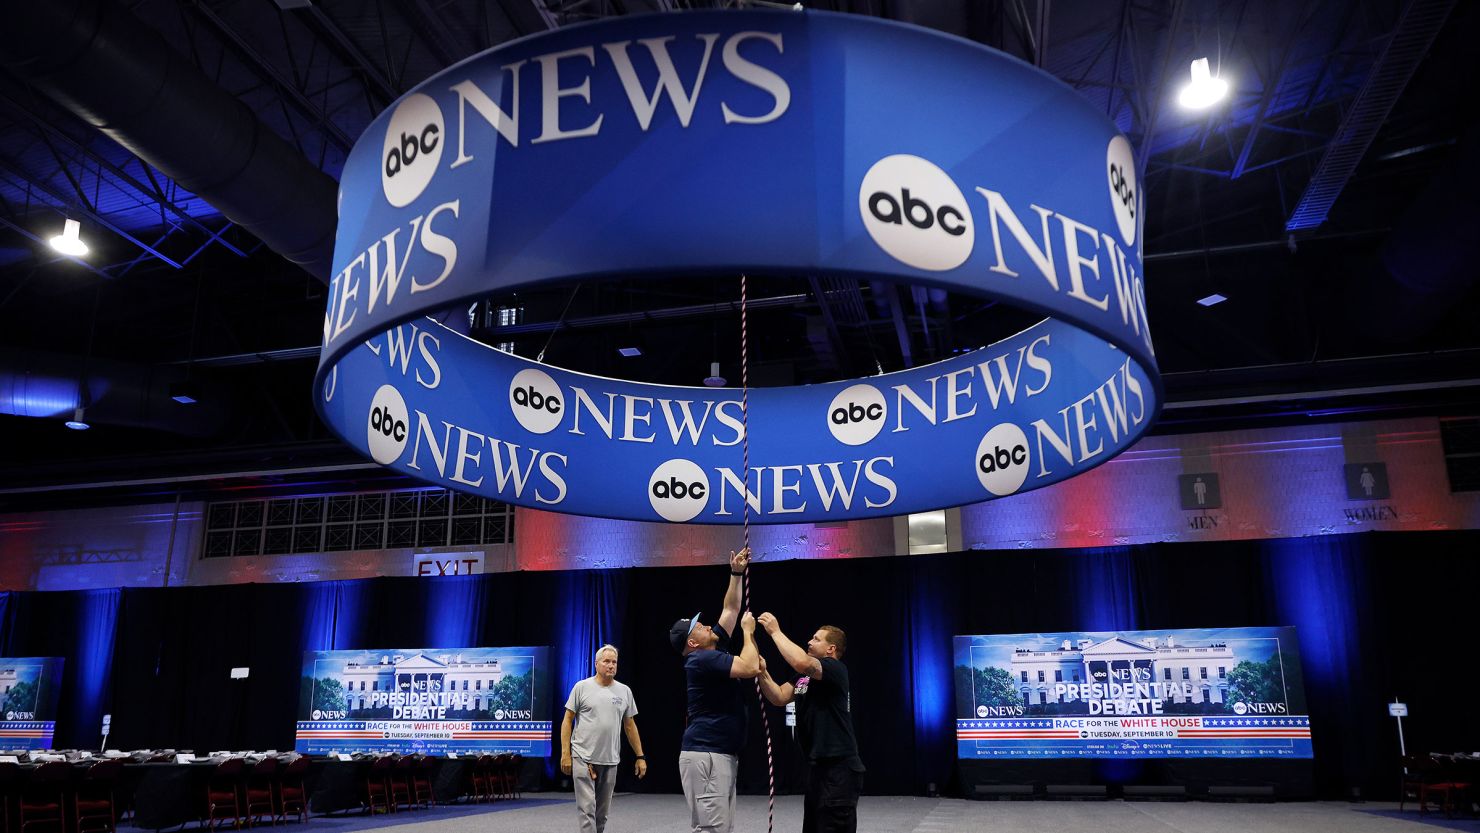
pixel 431 736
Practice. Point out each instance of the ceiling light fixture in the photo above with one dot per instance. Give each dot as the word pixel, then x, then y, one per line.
pixel 78 422
pixel 1203 91
pixel 186 393
pixel 630 352
pixel 714 380
pixel 1215 298
pixel 69 242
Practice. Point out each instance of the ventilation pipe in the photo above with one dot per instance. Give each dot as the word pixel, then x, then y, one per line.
pixel 34 383
pixel 117 74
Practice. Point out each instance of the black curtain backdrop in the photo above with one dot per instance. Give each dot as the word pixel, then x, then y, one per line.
pixel 1378 615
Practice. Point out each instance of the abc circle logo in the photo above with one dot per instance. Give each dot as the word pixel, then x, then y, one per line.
pixel 318 715
pixel 1002 459
pixel 981 711
pixel 915 212
pixel 498 714
pixel 1240 708
pixel 1120 170
pixel 388 425
pixel 536 401
pixel 678 490
pixel 856 414
pixel 412 149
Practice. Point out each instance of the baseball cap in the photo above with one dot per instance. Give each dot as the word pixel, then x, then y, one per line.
pixel 678 635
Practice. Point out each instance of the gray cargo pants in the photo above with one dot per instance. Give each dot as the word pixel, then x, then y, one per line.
pixel 709 787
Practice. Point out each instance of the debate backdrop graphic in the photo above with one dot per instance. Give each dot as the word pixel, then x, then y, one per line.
pixel 1203 693
pixel 30 687
pixel 432 701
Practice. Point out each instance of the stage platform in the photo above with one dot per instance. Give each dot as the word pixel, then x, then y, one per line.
pixel 555 813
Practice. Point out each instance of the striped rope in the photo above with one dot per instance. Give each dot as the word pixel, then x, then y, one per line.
pixel 745 529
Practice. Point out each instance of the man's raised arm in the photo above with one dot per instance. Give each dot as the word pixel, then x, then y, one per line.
pixel 730 611
pixel 795 655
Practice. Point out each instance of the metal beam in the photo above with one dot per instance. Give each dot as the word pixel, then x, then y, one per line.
pixel 1410 41
pixel 63 203
pixel 284 85
pixel 1271 86
pixel 901 330
pixel 430 29
pixel 528 16
pixel 157 196
pixel 1160 91
pixel 378 82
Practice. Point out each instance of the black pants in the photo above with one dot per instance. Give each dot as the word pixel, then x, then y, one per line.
pixel 833 785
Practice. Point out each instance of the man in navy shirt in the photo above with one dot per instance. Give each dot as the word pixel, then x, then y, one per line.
pixel 824 725
pixel 710 753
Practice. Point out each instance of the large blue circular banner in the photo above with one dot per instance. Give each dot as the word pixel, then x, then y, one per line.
pixel 779 143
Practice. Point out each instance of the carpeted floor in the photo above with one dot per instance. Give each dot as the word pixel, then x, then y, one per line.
pixel 556 813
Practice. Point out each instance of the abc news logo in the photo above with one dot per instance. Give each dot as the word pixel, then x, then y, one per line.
pixel 529 397
pixel 887 209
pixel 536 400
pixel 383 422
pixel 678 490
pixel 1121 186
pixel 854 412
pixel 1120 173
pixel 1002 459
pixel 412 149
pixel 388 425
pixel 915 212
pixel 857 414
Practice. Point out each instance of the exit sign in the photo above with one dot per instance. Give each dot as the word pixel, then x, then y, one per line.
pixel 447 564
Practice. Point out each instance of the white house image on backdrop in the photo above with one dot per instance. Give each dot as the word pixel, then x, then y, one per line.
pixel 471 682
pixel 1203 669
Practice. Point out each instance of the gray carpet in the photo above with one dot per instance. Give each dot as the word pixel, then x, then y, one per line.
pixel 549 813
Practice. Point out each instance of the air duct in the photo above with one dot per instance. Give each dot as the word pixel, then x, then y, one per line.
pixel 117 74
pixel 49 385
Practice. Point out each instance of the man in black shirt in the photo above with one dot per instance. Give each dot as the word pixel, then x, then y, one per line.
pixel 824 724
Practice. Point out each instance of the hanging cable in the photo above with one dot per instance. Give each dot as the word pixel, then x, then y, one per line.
pixel 745 531
pixel 541 356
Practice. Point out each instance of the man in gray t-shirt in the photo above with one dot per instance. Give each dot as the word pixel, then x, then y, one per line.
pixel 601 709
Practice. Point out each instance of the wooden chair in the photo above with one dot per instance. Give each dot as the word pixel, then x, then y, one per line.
pixel 421 781
pixel 221 794
pixel 43 798
pixel 292 795
pixel 482 778
pixel 259 790
pixel 1425 778
pixel 400 777
pixel 94 806
pixel 513 772
pixel 378 785
pixel 498 778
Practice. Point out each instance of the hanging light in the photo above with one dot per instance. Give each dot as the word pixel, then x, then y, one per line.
pixel 78 422
pixel 1203 91
pixel 714 380
pixel 69 242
